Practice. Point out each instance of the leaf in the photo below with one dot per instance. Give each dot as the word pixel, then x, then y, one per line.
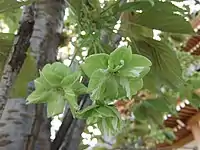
pixel 39 96
pixel 165 68
pixel 111 130
pixel 109 84
pixel 96 84
pixel 146 111
pixel 119 57
pixel 159 104
pixel 71 100
pixel 135 85
pixel 92 120
pixel 125 84
pixel 130 85
pixel 9 5
pixel 54 73
pixel 100 85
pixel 134 30
pixel 137 5
pixel 87 112
pixel 55 105
pixel 152 114
pixel 140 112
pixel 168 7
pixel 115 111
pixel 51 78
pixel 105 111
pixel 137 68
pixel 75 6
pixel 41 84
pixel 71 79
pixel 79 88
pixel 60 69
pixel 95 62
pixel 195 102
pixel 162 17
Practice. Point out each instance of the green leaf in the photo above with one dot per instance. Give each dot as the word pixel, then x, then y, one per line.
pixel 51 78
pixel 140 112
pixel 130 85
pixel 71 100
pixel 135 85
pixel 71 79
pixel 41 84
pixel 109 84
pixel 115 111
pixel 87 112
pixel 60 69
pixel 125 84
pixel 9 5
pixel 55 105
pixel 119 57
pixel 75 6
pixel 195 101
pixel 168 7
pixel 105 111
pixel 54 73
pixel 39 96
pixel 79 88
pixel 100 84
pixel 159 104
pixel 92 120
pixel 137 68
pixel 138 5
pixel 165 20
pixel 95 62
pixel 115 122
pixel 165 68
pixel 96 84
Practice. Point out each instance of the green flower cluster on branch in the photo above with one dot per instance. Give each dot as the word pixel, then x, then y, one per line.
pixel 117 75
pixel 111 77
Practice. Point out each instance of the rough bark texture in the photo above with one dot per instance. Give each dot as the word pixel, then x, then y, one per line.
pixel 15 124
pixel 45 39
pixel 17 56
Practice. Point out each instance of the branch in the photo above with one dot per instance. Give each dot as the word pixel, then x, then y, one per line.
pixel 73 137
pixel 65 126
pixel 17 56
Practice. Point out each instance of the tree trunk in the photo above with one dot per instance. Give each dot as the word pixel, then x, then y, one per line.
pixel 49 15
pixel 17 56
pixel 15 124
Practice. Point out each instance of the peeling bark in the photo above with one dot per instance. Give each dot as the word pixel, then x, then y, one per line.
pixel 45 39
pixel 17 56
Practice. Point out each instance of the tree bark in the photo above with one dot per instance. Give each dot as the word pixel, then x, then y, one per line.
pixel 49 15
pixel 15 124
pixel 17 56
